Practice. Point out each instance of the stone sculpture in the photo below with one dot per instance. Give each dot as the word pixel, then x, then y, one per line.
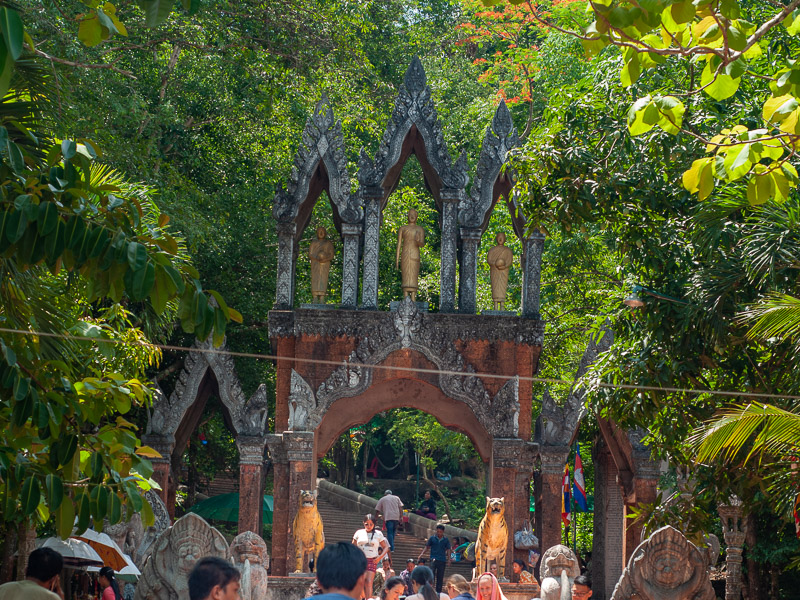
pixel 666 566
pixel 410 239
pixel 301 402
pixel 499 258
pixel 309 538
pixel 559 568
pixel 132 537
pixel 321 254
pixel 166 570
pixel 251 557
pixel 492 538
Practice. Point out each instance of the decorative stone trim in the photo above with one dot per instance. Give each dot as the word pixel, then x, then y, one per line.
pixel 251 450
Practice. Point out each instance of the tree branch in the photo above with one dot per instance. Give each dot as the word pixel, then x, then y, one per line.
pixel 70 63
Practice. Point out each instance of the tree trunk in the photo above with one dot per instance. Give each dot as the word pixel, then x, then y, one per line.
pixel 775 591
pixel 27 539
pixel 754 586
pixel 7 553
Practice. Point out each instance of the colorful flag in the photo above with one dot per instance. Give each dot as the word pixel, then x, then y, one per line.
pixel 565 499
pixel 796 516
pixel 578 483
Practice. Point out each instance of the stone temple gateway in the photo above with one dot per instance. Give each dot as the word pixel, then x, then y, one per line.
pixel 337 368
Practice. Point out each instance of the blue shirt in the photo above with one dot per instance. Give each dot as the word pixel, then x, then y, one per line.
pixel 439 547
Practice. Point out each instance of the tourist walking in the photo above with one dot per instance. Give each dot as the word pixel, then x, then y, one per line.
pixel 489 588
pixel 108 583
pixel 406 576
pixel 440 555
pixel 42 578
pixel 374 546
pixel 341 571
pixel 422 584
pixel 214 578
pixel 458 587
pixel 428 507
pixel 391 507
pixel 393 589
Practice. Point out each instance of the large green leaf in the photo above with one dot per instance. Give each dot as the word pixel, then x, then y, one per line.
pixel 156 11
pixel 30 495
pixel 13 32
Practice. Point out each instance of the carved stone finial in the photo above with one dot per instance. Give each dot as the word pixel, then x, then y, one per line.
pixel 166 571
pixel 415 79
pixel 559 566
pixel 666 566
pixel 407 321
pixel 502 124
pixel 505 399
pixel 301 403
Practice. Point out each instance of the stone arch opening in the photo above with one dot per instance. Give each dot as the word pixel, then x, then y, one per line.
pixel 402 392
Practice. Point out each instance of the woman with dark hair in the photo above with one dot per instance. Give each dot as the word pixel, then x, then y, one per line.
pixel 109 584
pixel 374 546
pixel 422 582
pixel 393 589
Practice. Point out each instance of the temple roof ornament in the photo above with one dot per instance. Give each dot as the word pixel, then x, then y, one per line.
pixel 320 163
pixel 500 137
pixel 413 108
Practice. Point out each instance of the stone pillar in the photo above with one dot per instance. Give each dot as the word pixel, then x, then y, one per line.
pixel 468 280
pixel 645 491
pixel 554 458
pixel 280 504
pixel 372 226
pixel 302 476
pixel 162 467
pixel 533 247
pixel 351 235
pixel 608 558
pixel 734 531
pixel 283 380
pixel 284 285
pixel 251 483
pixel 447 272
pixel 512 465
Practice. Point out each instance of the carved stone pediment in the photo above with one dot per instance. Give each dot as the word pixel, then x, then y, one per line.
pixel 413 107
pixel 322 142
pixel 249 416
pixel 500 137
pixel 301 402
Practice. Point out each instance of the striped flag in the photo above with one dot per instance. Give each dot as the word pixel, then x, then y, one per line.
pixel 565 499
pixel 578 483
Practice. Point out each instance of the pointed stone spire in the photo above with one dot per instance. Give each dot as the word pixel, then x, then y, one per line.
pixel 415 79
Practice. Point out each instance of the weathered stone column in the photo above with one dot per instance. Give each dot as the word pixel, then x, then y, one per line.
pixel 533 247
pixel 554 458
pixel 372 225
pixel 447 271
pixel 512 469
pixel 468 279
pixel 280 503
pixel 609 525
pixel 351 234
pixel 284 285
pixel 646 473
pixel 302 476
pixel 162 467
pixel 734 531
pixel 251 483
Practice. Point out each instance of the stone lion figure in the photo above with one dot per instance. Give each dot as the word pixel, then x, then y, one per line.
pixel 559 568
pixel 309 538
pixel 251 557
pixel 666 566
pixel 492 538
pixel 166 570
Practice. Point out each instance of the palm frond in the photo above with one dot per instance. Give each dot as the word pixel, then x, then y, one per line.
pixel 777 316
pixel 758 429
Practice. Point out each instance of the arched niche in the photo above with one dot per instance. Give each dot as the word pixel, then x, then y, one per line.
pixel 402 393
pixel 413 128
pixel 319 165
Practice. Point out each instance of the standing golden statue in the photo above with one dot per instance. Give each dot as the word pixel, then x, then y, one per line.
pixel 499 258
pixel 410 239
pixel 321 254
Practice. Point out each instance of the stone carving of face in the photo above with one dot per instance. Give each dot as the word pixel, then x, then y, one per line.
pixel 558 559
pixel 248 547
pixel 667 565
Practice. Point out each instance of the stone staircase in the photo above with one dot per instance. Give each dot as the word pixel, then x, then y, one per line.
pixel 340 525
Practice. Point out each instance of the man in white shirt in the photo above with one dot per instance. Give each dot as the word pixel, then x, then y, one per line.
pixel 391 507
pixel 42 578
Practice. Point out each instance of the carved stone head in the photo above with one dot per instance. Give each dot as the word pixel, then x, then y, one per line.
pixel 250 546
pixel 557 559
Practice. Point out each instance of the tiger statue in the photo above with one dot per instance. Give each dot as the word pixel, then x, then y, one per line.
pixel 309 538
pixel 492 538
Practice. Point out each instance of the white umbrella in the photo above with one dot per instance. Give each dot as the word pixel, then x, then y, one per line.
pixel 77 554
pixel 112 554
pixel 128 573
